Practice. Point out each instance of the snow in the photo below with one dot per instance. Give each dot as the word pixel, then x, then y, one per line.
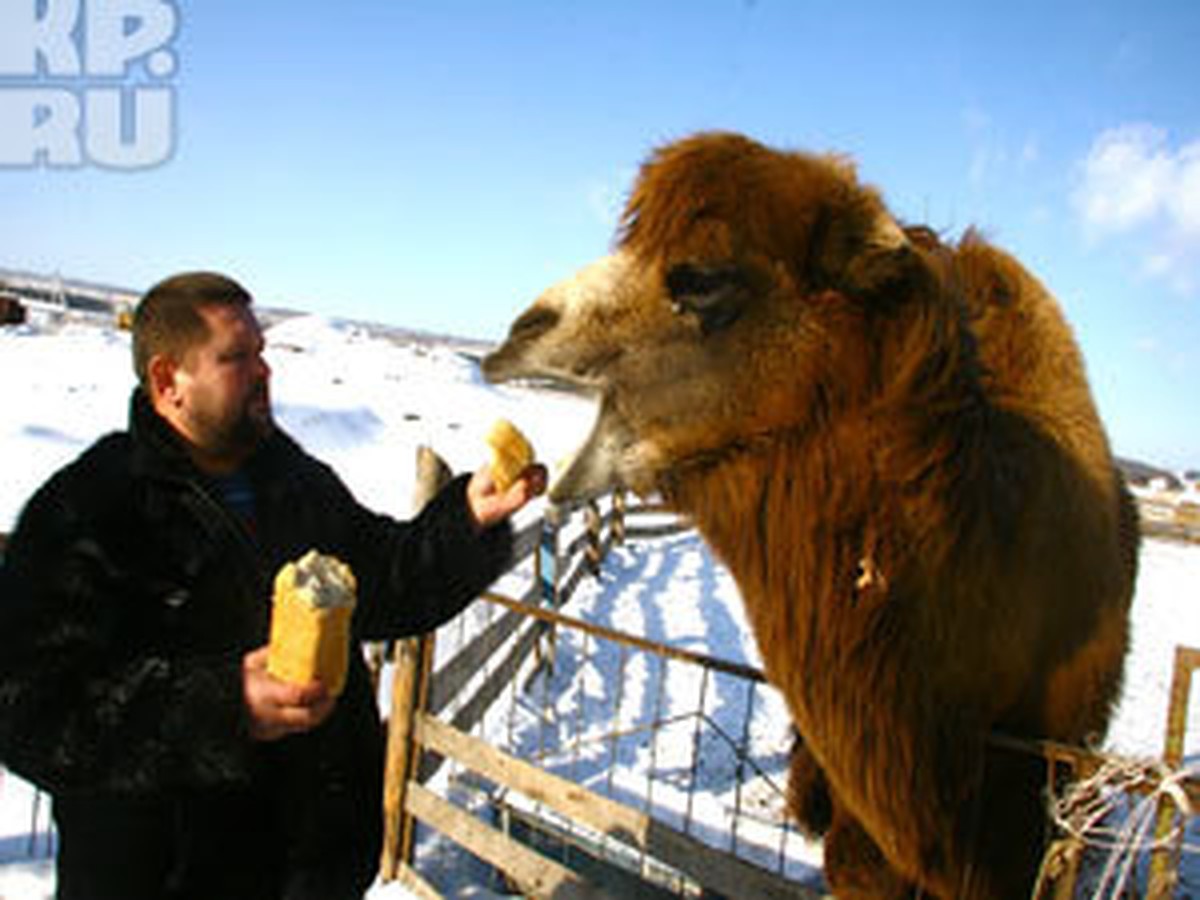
pixel 364 403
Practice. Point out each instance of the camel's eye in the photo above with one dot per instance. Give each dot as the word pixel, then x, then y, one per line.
pixel 715 294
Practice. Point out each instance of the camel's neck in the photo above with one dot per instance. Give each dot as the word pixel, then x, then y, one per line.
pixel 773 512
pixel 802 513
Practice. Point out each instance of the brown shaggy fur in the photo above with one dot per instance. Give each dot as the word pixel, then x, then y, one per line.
pixel 891 443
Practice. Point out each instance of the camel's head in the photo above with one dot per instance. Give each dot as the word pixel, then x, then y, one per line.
pixel 740 273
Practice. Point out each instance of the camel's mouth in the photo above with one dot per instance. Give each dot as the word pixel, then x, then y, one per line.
pixel 594 468
pixel 548 343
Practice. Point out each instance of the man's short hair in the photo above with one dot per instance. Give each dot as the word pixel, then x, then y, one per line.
pixel 168 322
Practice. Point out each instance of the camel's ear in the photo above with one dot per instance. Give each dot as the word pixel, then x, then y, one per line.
pixel 881 263
pixel 716 294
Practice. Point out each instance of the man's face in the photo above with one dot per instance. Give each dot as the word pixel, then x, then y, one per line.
pixel 223 403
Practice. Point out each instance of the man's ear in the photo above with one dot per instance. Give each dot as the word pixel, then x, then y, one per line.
pixel 163 390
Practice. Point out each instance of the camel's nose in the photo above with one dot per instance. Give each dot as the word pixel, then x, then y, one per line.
pixel 508 361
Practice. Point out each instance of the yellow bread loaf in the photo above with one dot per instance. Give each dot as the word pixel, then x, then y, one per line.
pixel 511 453
pixel 310 621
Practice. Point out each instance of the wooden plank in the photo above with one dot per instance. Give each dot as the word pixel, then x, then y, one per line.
pixel 533 874
pixel 578 545
pixel 473 710
pixel 525 543
pixel 476 707
pixel 1166 519
pixel 569 584
pixel 485 695
pixel 653 508
pixel 1084 762
pixel 667 529
pixel 1170 530
pixel 712 868
pixel 411 879
pixel 449 680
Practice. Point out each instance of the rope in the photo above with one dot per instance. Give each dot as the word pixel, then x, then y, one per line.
pixel 1083 812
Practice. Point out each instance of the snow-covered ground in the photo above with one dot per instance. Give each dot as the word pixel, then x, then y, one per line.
pixel 364 404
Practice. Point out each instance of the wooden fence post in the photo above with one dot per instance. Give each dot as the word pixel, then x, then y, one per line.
pixel 401 755
pixel 413 660
pixel 618 522
pixel 593 552
pixel 1164 865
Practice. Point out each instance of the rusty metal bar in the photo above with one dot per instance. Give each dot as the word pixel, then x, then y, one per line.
pixel 711 662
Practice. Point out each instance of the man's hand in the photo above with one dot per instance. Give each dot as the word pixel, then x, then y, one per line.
pixel 490 506
pixel 276 708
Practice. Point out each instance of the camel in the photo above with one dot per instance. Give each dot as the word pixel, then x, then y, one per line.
pixel 890 441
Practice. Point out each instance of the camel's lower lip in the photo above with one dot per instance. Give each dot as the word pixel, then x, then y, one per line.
pixel 573 482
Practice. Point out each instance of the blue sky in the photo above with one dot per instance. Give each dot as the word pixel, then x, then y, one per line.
pixel 436 164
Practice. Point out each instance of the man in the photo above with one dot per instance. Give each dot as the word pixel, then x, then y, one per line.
pixel 135 603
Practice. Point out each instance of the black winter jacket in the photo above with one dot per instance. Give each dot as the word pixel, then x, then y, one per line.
pixel 129 595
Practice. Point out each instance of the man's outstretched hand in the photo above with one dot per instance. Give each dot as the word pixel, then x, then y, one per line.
pixel 489 505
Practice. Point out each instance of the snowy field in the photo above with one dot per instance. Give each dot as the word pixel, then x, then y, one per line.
pixel 364 404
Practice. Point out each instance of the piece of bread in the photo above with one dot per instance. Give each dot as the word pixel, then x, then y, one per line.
pixel 310 621
pixel 511 453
